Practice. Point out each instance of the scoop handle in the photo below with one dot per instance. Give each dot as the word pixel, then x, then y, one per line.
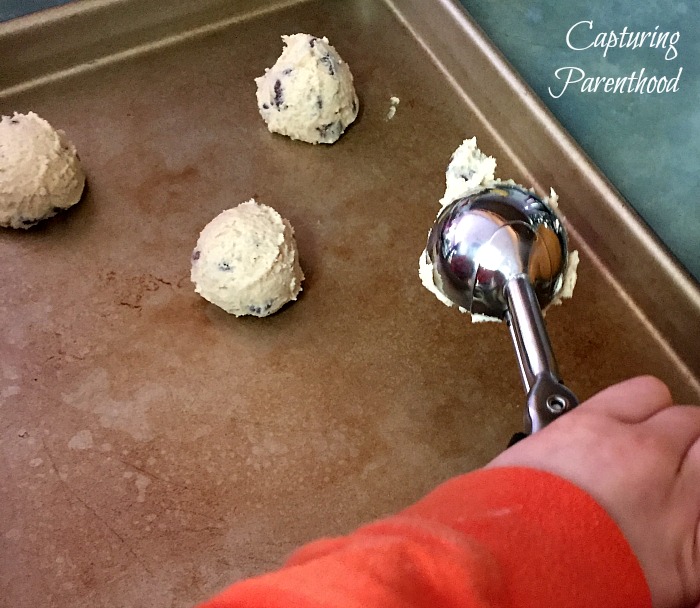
pixel 547 397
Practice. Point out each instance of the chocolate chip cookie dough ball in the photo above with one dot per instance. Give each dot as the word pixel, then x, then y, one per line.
pixel 308 94
pixel 40 174
pixel 246 261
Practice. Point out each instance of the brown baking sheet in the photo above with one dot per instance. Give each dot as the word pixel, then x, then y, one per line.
pixel 155 449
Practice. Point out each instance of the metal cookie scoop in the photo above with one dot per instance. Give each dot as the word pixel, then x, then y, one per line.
pixel 502 253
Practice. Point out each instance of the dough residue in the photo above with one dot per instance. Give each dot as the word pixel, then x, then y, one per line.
pixel 469 171
pixel 394 102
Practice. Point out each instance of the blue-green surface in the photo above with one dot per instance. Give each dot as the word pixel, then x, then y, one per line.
pixel 647 144
pixel 9 9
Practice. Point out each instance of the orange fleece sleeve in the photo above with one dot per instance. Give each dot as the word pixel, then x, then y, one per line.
pixel 495 538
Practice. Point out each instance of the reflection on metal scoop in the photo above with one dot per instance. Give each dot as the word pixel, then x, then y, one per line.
pixel 502 253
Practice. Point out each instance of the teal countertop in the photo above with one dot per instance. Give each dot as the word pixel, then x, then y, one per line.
pixel 648 145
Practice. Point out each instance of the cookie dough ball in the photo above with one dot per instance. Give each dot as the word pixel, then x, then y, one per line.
pixel 40 174
pixel 246 261
pixel 308 94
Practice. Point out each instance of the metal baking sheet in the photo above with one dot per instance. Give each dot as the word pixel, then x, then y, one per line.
pixel 154 449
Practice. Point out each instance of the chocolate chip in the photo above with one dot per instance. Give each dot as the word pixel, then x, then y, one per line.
pixel 258 310
pixel 319 102
pixel 312 42
pixel 195 255
pixel 25 221
pixel 225 266
pixel 14 121
pixel 327 60
pixel 265 106
pixel 278 94
pixel 330 131
pixel 287 71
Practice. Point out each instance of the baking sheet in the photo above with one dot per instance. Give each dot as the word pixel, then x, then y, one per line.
pixel 154 449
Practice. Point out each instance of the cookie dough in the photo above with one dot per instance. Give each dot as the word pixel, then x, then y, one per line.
pixel 393 104
pixel 40 173
pixel 308 94
pixel 470 171
pixel 246 261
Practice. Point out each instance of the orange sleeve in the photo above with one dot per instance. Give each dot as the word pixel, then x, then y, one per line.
pixel 495 538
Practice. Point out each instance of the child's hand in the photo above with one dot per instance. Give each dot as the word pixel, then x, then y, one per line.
pixel 638 455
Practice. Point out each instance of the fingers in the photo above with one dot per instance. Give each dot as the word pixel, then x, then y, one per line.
pixel 679 426
pixel 632 401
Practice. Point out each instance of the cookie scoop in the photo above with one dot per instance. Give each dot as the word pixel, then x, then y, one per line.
pixel 502 253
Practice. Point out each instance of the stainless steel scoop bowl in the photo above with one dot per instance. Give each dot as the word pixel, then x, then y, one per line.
pixel 502 252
